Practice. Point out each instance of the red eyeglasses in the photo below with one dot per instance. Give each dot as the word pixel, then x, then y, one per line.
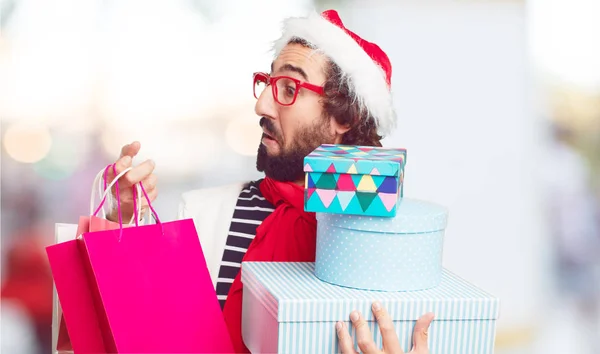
pixel 285 88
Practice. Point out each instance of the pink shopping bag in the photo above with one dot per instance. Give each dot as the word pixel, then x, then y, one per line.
pixel 152 289
pixel 75 299
pixel 79 329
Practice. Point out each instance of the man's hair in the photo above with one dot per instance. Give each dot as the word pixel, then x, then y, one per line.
pixel 338 103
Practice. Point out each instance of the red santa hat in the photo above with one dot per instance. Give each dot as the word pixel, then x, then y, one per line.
pixel 365 67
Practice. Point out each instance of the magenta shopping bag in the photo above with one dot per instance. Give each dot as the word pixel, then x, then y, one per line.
pixel 153 290
pixel 75 321
pixel 78 314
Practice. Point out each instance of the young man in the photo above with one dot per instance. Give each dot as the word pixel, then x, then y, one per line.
pixel 326 85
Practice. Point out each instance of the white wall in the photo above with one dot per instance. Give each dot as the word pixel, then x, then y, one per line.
pixel 460 82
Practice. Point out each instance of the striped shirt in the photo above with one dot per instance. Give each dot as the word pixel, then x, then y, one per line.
pixel 250 211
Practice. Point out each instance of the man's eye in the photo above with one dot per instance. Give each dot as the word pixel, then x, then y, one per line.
pixel 290 90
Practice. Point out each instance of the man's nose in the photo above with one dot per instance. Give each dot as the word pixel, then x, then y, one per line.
pixel 265 105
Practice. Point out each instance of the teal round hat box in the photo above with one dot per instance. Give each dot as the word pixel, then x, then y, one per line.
pixel 400 253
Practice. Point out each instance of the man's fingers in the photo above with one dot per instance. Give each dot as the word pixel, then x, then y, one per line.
pixel 149 183
pixel 391 344
pixel 121 164
pixel 364 338
pixel 138 173
pixel 344 338
pixel 127 201
pixel 151 195
pixel 421 333
pixel 130 149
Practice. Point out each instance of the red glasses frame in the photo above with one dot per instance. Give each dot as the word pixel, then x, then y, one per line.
pixel 272 81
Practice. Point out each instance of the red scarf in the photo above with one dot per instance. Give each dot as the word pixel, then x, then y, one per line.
pixel 287 235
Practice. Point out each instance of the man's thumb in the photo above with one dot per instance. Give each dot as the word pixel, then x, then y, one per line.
pixel 131 149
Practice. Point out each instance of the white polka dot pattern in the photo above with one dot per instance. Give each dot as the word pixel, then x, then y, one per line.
pixel 388 258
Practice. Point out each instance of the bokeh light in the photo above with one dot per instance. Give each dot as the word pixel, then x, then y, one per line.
pixel 66 155
pixel 27 143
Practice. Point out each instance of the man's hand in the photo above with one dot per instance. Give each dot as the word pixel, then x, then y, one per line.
pixel 391 344
pixel 141 173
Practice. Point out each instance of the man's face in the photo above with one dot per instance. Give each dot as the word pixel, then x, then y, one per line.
pixel 292 132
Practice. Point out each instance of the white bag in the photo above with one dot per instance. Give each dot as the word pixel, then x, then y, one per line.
pixel 62 233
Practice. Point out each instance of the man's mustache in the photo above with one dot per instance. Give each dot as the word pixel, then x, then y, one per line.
pixel 268 125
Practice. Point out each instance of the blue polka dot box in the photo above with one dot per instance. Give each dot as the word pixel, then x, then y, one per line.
pixel 354 180
pixel 403 253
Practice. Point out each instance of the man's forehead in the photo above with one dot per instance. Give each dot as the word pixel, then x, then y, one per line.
pixel 290 68
pixel 301 60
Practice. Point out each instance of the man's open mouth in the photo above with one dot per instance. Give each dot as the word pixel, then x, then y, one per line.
pixel 268 136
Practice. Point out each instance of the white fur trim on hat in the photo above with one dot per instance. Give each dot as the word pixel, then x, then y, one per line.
pixel 365 78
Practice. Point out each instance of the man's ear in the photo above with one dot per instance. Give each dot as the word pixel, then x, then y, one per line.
pixel 338 129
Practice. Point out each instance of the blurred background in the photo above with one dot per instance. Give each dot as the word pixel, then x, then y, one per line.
pixel 498 104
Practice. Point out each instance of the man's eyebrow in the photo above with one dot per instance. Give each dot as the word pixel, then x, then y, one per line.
pixel 290 67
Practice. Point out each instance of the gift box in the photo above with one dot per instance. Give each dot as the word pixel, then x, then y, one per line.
pixel 355 180
pixel 363 252
pixel 286 309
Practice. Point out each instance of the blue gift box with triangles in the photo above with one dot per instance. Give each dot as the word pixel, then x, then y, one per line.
pixel 354 180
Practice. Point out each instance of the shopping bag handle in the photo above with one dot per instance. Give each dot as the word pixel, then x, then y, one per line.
pixel 137 188
pixel 141 186
pixel 96 184
pixel 103 174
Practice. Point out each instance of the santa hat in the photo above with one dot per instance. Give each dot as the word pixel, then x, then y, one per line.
pixel 365 67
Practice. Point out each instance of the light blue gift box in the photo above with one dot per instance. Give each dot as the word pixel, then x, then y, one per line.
pixel 388 254
pixel 286 309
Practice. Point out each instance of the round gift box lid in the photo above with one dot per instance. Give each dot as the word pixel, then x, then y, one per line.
pixel 413 216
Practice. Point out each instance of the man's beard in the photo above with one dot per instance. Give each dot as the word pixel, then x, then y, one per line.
pixel 288 165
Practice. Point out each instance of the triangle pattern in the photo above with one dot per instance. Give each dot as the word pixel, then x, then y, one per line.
pixel 342 166
pixel 366 184
pixel 307 168
pixel 309 193
pixel 327 181
pixel 335 207
pixel 345 198
pixel 331 169
pixel 375 172
pixel 378 180
pixel 326 196
pixel 377 208
pixel 320 165
pixel 315 176
pixel 356 180
pixel 309 181
pixel 389 185
pixel 313 203
pixel 365 199
pixel 345 183
pixel 352 170
pixel 354 206
pixel 388 200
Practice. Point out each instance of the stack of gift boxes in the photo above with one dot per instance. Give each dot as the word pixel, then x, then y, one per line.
pixel 372 244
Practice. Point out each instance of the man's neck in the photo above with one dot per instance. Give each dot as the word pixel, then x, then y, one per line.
pixel 299 182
